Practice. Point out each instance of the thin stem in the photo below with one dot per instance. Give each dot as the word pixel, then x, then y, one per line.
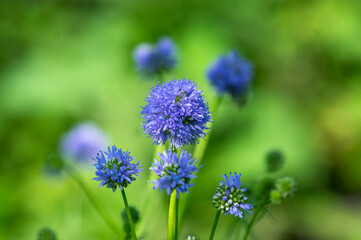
pixel 254 218
pixel 130 219
pixel 171 215
pixel 94 201
pixel 176 219
pixel 214 225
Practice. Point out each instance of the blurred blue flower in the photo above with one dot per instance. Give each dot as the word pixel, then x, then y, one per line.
pixel 175 111
pixel 174 172
pixel 230 198
pixel 152 60
pixel 231 74
pixel 114 169
pixel 82 142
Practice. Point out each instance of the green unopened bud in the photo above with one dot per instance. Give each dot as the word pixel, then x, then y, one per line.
pixel 53 163
pixel 135 217
pixel 286 186
pixel 274 161
pixel 275 197
pixel 46 234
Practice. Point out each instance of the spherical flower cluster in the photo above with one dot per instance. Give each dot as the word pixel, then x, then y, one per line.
pixel 82 142
pixel 175 172
pixel 175 111
pixel 114 169
pixel 152 60
pixel 230 198
pixel 230 74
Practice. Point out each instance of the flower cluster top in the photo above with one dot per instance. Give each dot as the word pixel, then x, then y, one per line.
pixel 152 60
pixel 230 198
pixel 175 111
pixel 230 74
pixel 175 172
pixel 114 169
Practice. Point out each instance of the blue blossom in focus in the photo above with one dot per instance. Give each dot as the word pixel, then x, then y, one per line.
pixel 82 142
pixel 230 197
pixel 175 111
pixel 154 59
pixel 231 74
pixel 175 172
pixel 114 168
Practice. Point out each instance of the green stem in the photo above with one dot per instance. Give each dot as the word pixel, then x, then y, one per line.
pixel 254 218
pixel 130 219
pixel 171 215
pixel 94 201
pixel 214 225
pixel 176 218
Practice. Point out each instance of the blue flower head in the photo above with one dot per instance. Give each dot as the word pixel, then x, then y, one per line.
pixel 175 172
pixel 152 60
pixel 82 142
pixel 230 198
pixel 175 111
pixel 231 74
pixel 114 169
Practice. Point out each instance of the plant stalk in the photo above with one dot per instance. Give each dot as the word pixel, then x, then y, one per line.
pixel 130 219
pixel 214 225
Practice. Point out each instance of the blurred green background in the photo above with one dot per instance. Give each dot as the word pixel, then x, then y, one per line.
pixel 64 61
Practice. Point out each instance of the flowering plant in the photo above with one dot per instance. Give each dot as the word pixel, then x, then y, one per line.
pixel 175 116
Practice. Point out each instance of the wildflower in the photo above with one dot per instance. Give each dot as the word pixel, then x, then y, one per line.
pixel 231 74
pixel 275 161
pixel 46 234
pixel 114 169
pixel 152 60
pixel 230 198
pixel 82 142
pixel 175 172
pixel 175 111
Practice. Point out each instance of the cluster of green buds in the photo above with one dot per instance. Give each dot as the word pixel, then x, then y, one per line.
pixel 284 188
